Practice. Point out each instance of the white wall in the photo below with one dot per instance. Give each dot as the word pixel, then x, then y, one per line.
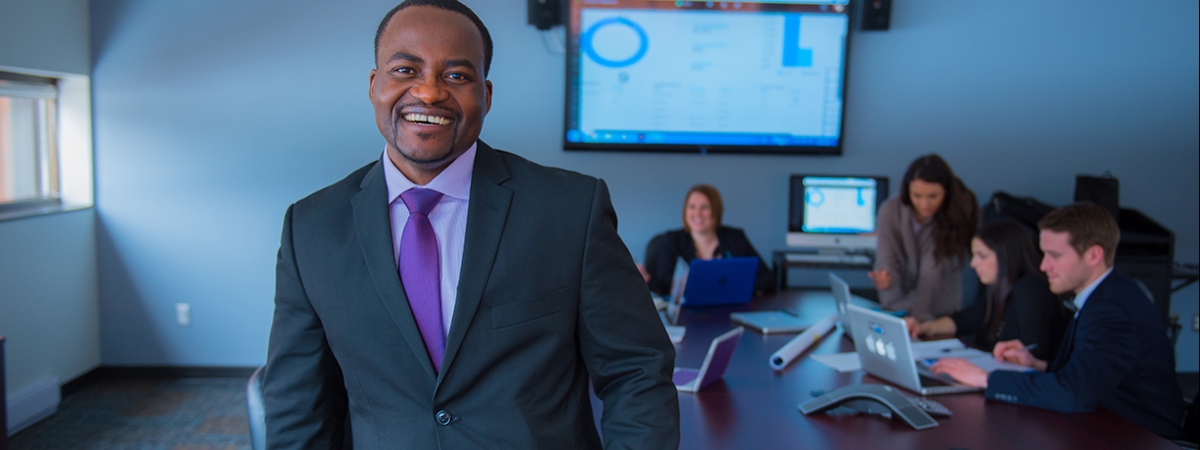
pixel 212 116
pixel 48 302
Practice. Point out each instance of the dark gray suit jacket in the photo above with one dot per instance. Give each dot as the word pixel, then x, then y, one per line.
pixel 549 298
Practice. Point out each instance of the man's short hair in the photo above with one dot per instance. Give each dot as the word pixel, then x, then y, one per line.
pixel 1086 224
pixel 448 5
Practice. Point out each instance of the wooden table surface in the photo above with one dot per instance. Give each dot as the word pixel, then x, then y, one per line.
pixel 755 407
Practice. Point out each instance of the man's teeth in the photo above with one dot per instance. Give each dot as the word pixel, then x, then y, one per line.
pixel 422 118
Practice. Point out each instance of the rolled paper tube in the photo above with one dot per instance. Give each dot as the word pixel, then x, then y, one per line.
pixel 799 344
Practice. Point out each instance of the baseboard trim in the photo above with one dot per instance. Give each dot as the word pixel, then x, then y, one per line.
pixel 32 404
pixel 78 383
pixel 143 372
pixel 110 372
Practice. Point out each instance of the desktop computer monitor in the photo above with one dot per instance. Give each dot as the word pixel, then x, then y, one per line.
pixel 834 212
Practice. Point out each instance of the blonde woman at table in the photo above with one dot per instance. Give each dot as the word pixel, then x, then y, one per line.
pixel 924 235
pixel 702 237
pixel 1015 301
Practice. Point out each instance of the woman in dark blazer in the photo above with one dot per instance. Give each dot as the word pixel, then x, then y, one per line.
pixel 702 237
pixel 1014 301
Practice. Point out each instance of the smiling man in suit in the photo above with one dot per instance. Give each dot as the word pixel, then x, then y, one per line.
pixel 450 295
pixel 1115 353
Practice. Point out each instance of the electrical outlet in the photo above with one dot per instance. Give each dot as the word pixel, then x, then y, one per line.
pixel 1196 322
pixel 183 314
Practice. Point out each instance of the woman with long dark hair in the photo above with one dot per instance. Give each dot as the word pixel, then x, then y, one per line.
pixel 924 235
pixel 1014 301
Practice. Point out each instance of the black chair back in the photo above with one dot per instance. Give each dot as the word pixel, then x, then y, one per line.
pixel 1190 419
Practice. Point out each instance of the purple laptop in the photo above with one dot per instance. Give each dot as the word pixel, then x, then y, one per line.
pixel 720 352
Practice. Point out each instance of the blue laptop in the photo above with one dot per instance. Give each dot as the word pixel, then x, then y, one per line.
pixel 728 281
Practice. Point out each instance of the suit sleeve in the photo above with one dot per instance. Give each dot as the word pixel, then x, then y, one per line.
pixel 303 395
pixel 623 342
pixel 1105 353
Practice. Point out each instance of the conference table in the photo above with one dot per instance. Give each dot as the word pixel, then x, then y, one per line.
pixel 755 407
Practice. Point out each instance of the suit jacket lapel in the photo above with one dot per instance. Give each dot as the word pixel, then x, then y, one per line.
pixel 372 224
pixel 487 213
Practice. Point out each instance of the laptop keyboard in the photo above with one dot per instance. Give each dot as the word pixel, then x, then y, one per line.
pixel 929 380
pixel 932 382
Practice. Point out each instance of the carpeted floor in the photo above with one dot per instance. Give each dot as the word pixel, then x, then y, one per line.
pixel 147 414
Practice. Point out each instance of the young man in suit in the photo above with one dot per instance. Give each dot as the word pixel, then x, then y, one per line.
pixel 1115 354
pixel 450 295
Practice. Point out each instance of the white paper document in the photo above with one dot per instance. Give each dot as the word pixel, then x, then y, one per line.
pixel 842 362
pixel 676 333
pixel 928 352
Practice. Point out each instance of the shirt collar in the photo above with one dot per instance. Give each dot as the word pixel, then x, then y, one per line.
pixel 454 181
pixel 1082 297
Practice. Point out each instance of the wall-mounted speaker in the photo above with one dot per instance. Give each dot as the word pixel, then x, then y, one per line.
pixel 544 14
pixel 876 15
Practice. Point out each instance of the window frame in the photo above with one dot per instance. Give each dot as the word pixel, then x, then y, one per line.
pixel 65 156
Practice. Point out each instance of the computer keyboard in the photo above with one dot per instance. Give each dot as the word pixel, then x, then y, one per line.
pixel 819 258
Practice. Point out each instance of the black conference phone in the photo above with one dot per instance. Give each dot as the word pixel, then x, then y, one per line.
pixel 879 400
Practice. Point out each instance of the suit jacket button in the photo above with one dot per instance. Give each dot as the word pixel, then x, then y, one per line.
pixel 443 417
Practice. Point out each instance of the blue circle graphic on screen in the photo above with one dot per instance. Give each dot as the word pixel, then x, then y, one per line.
pixel 585 42
pixel 814 197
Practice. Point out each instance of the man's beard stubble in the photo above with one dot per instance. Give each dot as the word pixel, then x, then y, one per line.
pixel 425 137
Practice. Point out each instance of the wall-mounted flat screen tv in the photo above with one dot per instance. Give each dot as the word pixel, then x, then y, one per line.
pixel 732 77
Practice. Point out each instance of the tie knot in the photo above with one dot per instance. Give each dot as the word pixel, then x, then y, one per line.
pixel 420 200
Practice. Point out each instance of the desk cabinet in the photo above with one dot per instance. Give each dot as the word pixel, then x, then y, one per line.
pixel 780 263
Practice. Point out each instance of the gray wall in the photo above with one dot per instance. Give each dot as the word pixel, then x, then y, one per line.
pixel 48 306
pixel 211 117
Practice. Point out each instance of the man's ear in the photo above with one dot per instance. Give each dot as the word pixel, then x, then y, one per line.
pixel 487 86
pixel 1094 256
pixel 370 84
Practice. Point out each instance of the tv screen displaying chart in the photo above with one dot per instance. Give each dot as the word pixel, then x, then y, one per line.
pixel 758 77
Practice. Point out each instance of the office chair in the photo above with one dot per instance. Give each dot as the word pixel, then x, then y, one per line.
pixel 1191 422
pixel 254 403
pixel 257 415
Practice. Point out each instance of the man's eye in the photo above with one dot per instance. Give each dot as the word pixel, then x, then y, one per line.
pixel 404 70
pixel 456 76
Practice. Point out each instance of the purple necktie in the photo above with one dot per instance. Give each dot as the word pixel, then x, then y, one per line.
pixel 420 270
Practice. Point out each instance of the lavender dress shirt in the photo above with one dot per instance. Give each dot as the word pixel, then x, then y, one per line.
pixel 449 219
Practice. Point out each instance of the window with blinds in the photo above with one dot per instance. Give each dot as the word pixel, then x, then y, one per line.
pixel 29 173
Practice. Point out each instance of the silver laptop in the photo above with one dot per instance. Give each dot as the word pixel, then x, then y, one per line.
pixel 841 295
pixel 885 351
